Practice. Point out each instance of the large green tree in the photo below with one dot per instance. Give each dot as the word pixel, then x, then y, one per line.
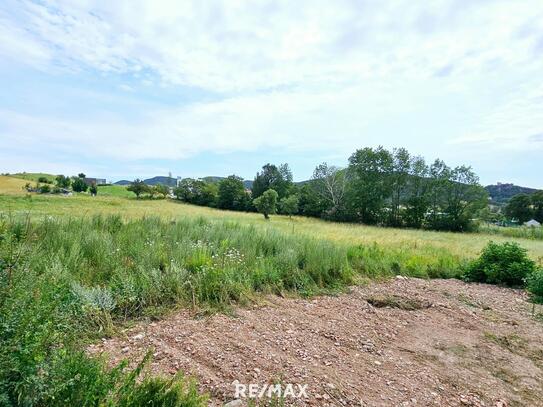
pixel 198 192
pixel 519 208
pixel 272 177
pixel 464 196
pixel 232 193
pixel 330 184
pixel 416 201
pixel 401 166
pixel 537 203
pixel 370 171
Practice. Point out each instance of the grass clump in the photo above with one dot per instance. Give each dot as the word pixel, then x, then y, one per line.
pixel 396 301
pixel 506 263
pixel 534 285
pixel 47 315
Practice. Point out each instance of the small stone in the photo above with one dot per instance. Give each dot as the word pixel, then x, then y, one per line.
pixel 125 349
pixel 234 403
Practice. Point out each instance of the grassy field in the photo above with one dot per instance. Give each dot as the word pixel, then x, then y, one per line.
pixel 33 176
pixel 72 268
pixel 114 190
pixel 116 200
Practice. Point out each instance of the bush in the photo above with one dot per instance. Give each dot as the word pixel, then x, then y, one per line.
pixel 44 189
pixel 505 263
pixel 534 284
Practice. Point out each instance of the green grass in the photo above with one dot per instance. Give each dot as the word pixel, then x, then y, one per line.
pixel 514 232
pixel 416 245
pixel 114 190
pixel 33 176
pixel 73 268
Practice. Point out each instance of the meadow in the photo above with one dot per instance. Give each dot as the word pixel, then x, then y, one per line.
pixel 75 268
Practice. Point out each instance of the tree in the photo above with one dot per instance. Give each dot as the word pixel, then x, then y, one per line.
pixel 78 185
pixel 329 182
pixel 44 180
pixel 310 203
pixel 81 175
pixel 198 192
pixel 401 166
pixel 266 203
pixel 439 175
pixel 273 177
pixel 519 208
pixel 537 203
pixel 231 193
pixel 93 189
pixel 416 202
pixel 463 198
pixel 44 189
pixel 138 187
pixel 289 205
pixel 162 190
pixel 370 184
pixel 63 181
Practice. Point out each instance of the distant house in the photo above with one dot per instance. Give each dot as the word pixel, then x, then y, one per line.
pixel 97 181
pixel 532 223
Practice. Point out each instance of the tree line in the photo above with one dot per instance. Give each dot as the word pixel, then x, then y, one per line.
pixel 378 187
pixel 523 207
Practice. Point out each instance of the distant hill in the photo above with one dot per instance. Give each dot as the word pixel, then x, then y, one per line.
pixel 161 180
pixel 152 181
pixel 501 193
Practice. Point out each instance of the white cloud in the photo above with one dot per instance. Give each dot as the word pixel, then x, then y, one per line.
pixel 300 75
pixel 240 46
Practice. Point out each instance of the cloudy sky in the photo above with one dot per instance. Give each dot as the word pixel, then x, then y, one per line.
pixel 120 89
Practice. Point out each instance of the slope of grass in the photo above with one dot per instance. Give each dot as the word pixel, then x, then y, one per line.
pixel 419 243
pixel 33 176
pixel 11 185
pixel 114 190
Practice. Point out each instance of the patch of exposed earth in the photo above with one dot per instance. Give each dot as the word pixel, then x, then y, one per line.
pixel 406 342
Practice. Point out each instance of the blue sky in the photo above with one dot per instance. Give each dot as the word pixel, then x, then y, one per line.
pixel 124 89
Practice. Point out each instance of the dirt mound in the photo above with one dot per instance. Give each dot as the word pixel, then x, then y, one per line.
pixel 424 343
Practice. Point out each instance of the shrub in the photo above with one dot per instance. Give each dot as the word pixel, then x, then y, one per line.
pixel 44 189
pixel 534 284
pixel 505 263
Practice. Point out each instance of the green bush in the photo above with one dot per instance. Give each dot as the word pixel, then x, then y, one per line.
pixel 505 263
pixel 534 284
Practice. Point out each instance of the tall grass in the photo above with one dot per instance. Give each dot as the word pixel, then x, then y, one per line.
pixel 65 281
pixel 523 232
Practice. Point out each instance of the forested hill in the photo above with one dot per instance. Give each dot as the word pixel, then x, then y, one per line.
pixel 501 193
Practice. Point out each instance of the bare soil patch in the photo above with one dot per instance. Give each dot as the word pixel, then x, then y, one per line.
pixel 421 343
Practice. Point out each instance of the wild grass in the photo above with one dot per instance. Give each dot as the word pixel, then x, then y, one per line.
pixel 73 268
pixel 417 243
pixel 65 280
pixel 33 176
pixel 524 232
pixel 114 190
pixel 11 185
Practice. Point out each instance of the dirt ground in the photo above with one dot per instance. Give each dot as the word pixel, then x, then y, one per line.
pixel 406 342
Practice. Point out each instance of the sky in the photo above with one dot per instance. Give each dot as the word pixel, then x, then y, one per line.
pixel 124 89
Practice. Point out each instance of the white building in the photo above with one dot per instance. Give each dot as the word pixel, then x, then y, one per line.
pixel 532 223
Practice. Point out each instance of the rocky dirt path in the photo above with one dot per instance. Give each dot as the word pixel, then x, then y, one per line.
pixel 406 342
